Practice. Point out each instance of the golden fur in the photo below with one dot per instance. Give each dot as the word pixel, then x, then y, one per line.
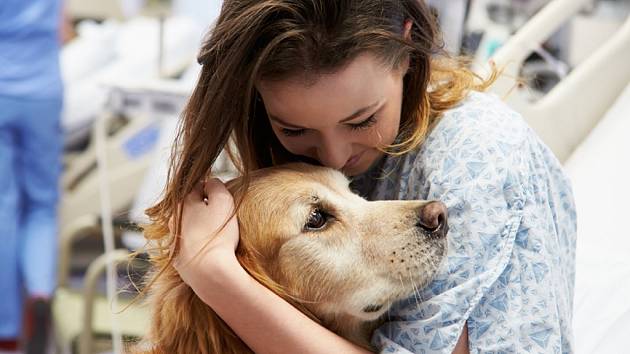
pixel 344 275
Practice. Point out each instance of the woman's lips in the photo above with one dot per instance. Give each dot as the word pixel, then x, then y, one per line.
pixel 353 160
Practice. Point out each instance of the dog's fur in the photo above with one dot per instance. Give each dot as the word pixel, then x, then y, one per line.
pixel 345 275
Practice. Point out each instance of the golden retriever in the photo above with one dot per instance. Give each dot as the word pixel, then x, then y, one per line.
pixel 333 255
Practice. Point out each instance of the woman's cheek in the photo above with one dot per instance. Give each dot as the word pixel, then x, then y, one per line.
pixel 386 132
pixel 296 145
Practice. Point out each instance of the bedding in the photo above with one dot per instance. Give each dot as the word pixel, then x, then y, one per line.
pixel 600 171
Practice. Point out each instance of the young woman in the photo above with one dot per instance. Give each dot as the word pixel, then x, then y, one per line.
pixel 363 87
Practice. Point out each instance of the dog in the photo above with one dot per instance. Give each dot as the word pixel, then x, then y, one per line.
pixel 335 256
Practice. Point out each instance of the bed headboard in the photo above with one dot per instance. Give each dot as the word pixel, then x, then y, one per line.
pixel 565 115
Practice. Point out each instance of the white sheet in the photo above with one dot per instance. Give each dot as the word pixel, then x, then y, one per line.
pixel 110 52
pixel 600 172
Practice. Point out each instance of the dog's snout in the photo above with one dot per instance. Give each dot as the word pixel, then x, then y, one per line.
pixel 433 219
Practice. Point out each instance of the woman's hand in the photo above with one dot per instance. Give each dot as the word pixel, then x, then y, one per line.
pixel 203 244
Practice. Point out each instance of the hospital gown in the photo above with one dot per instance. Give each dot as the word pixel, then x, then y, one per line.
pixel 510 267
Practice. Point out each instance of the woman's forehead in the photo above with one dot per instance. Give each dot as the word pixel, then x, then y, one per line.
pixel 363 83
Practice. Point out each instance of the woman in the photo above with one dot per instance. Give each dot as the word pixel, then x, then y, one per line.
pixel 363 87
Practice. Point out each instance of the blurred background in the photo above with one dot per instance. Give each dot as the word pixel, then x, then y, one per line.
pixel 127 68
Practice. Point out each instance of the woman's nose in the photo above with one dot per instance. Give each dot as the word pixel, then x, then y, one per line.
pixel 333 154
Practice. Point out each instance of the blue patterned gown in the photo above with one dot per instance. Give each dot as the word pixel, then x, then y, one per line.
pixel 510 268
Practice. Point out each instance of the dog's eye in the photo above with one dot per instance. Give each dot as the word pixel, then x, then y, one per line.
pixel 316 220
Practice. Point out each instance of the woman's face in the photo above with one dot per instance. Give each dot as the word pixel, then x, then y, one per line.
pixel 339 119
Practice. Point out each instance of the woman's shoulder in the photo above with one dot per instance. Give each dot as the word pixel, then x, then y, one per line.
pixel 481 118
pixel 481 141
pixel 480 135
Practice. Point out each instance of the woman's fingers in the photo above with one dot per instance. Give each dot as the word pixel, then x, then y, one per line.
pixel 208 226
pixel 206 210
pixel 197 194
pixel 218 196
pixel 211 191
pixel 209 198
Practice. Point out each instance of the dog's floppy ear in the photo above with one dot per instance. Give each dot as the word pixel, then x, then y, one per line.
pixel 247 257
pixel 181 323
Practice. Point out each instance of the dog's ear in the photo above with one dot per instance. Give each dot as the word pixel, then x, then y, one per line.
pixel 246 255
pixel 182 323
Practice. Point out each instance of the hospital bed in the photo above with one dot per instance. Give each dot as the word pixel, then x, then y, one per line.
pixel 117 73
pixel 118 94
pixel 133 185
pixel 585 119
pixel 600 172
pixel 82 315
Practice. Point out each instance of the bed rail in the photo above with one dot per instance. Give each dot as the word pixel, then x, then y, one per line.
pixel 566 114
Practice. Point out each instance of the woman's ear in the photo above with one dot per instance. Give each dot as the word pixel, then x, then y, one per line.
pixel 407 36
pixel 407 29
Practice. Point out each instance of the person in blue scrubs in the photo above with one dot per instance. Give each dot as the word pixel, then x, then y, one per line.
pixel 30 164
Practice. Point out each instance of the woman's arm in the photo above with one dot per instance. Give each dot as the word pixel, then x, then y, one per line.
pixel 462 344
pixel 263 320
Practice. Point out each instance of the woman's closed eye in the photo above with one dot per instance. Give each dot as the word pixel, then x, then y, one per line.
pixel 293 132
pixel 364 124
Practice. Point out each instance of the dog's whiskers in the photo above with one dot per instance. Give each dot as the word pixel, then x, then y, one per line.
pixel 402 284
pixel 416 292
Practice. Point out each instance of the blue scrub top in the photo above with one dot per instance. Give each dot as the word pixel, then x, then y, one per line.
pixel 29 48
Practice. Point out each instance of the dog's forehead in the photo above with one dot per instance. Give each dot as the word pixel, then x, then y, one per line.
pixel 298 182
pixel 322 181
pixel 304 172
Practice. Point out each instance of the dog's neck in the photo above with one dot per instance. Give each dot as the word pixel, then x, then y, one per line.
pixel 352 328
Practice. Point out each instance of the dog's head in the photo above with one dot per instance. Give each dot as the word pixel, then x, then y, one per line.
pixel 335 256
pixel 337 253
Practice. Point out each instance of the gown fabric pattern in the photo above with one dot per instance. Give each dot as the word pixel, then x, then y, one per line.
pixel 510 266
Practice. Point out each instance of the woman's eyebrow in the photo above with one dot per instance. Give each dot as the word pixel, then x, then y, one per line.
pixel 288 125
pixel 354 115
pixel 360 112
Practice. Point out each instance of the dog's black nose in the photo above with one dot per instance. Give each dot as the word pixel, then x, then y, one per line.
pixel 433 219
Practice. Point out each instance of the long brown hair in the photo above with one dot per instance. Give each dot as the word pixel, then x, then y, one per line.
pixel 276 39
